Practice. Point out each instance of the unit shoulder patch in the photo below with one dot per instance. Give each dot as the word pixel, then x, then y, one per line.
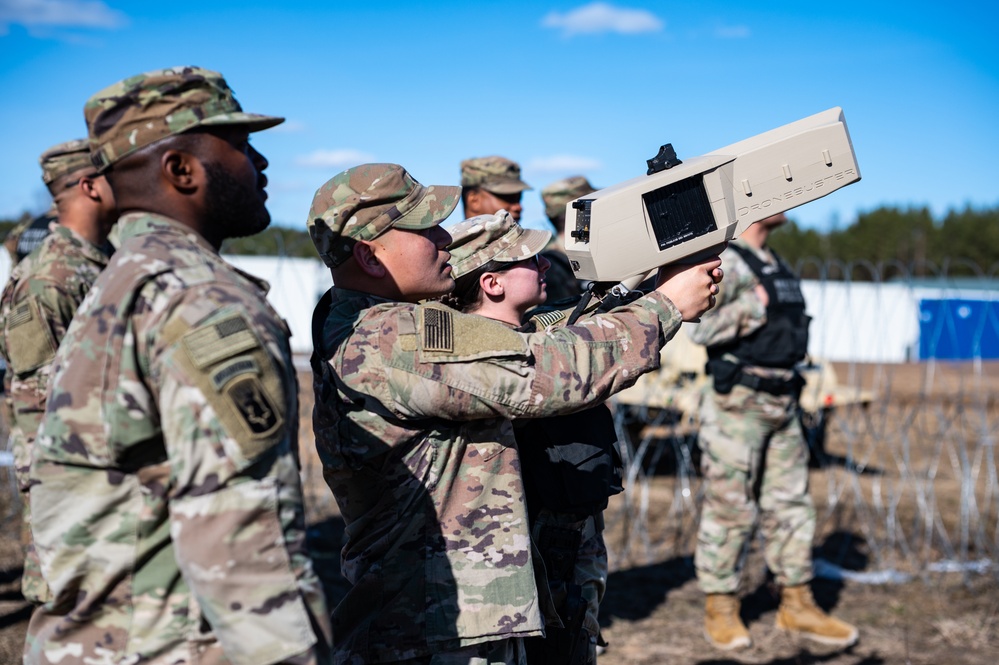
pixel 257 410
pixel 237 376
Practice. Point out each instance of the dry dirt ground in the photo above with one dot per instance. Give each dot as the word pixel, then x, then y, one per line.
pixel 653 610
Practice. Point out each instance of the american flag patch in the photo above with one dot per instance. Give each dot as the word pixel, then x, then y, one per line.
pixel 20 314
pixel 438 330
pixel 224 339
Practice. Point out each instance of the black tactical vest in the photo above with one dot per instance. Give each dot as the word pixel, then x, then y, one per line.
pixel 783 341
pixel 570 464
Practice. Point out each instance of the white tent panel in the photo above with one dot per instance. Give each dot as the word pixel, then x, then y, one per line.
pixel 296 286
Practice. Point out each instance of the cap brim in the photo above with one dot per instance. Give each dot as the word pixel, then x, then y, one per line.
pixel 438 202
pixel 254 122
pixel 507 187
pixel 529 244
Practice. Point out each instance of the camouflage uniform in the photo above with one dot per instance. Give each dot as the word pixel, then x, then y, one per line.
pixel 40 298
pixel 165 489
pixel 567 475
pixel 755 460
pixel 561 280
pixel 412 422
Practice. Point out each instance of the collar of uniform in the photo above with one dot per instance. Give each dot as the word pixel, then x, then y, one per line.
pixel 135 224
pixel 90 250
pixel 342 295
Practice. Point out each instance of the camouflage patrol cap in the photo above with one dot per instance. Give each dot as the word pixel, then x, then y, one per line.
pixel 65 158
pixel 484 238
pixel 364 202
pixel 560 192
pixel 146 108
pixel 498 175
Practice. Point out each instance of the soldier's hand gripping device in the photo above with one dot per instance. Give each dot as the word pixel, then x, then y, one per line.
pixel 683 211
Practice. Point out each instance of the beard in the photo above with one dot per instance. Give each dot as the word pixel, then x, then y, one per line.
pixel 235 209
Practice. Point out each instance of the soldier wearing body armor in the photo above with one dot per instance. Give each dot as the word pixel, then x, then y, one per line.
pixel 755 459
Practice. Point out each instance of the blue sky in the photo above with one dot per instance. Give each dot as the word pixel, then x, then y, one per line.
pixel 561 87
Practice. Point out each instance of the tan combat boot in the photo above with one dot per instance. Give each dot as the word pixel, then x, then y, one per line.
pixel 799 614
pixel 722 626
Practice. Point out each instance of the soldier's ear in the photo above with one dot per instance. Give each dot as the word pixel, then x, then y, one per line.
pixel 182 170
pixel 88 186
pixel 490 284
pixel 364 256
pixel 472 199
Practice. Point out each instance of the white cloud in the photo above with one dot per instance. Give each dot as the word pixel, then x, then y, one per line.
pixel 563 164
pixel 61 13
pixel 341 158
pixel 598 17
pixel 732 32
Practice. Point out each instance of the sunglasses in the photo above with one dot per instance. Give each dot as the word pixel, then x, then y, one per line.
pixel 89 176
pixel 527 261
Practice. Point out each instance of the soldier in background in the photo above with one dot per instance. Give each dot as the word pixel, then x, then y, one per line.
pixel 491 184
pixel 165 492
pixel 29 234
pixel 38 303
pixel 754 456
pixel 562 282
pixel 412 422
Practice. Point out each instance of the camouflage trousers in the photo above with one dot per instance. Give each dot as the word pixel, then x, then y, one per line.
pixel 755 466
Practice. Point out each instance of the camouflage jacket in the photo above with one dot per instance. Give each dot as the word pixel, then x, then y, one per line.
pixel 738 311
pixel 166 501
pixel 39 301
pixel 412 422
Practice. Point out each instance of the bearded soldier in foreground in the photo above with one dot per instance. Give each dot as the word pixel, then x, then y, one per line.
pixel 165 492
